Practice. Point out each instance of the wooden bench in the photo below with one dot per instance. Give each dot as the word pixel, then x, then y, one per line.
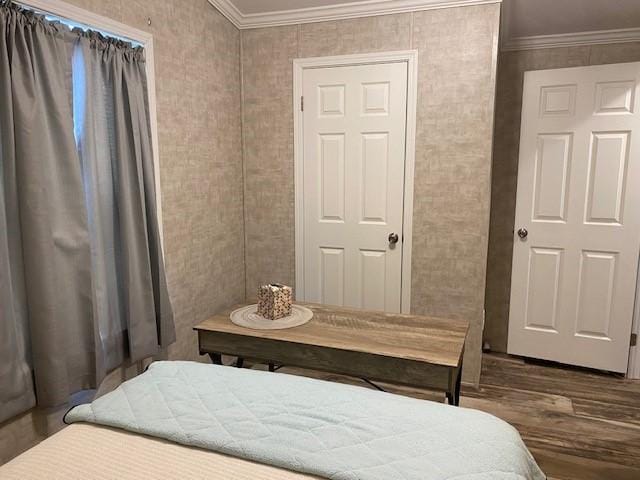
pixel 413 350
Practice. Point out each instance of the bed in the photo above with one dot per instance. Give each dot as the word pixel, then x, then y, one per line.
pixel 84 451
pixel 190 420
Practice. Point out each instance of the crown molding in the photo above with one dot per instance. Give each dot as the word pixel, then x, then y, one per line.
pixel 229 10
pixel 625 35
pixel 342 11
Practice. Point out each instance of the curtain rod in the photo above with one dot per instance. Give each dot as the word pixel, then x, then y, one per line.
pixel 72 23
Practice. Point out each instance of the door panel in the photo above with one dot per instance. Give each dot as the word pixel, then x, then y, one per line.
pixel 574 272
pixel 595 294
pixel 332 275
pixel 373 279
pixel 353 173
pixel 607 177
pixel 375 168
pixel 614 97
pixel 544 283
pixel 332 177
pixel 552 168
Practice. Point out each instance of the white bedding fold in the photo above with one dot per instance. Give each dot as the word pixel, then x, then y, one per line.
pixel 83 451
pixel 310 426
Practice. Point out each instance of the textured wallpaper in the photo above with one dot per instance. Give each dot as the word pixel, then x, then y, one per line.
pixel 267 134
pixel 205 121
pixel 457 67
pixel 197 55
pixel 505 163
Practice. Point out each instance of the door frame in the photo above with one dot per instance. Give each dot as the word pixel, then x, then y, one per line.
pixel 410 57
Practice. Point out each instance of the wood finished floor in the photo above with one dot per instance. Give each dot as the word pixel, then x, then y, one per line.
pixel 579 425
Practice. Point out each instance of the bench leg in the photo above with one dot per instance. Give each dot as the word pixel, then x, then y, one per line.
pixel 453 395
pixel 456 393
pixel 216 359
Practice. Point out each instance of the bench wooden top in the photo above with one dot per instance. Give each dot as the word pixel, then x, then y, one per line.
pixel 412 337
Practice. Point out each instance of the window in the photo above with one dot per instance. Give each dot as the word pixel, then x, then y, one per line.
pixel 73 17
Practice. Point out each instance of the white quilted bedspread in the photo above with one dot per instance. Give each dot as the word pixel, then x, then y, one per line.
pixel 310 426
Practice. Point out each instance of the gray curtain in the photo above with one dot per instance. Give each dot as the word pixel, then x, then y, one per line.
pixel 114 140
pixel 16 388
pixel 81 272
pixel 47 257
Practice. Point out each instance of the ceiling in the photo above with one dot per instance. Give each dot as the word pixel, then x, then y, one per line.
pixel 526 23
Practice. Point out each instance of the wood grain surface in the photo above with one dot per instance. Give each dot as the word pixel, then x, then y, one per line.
pixel 410 337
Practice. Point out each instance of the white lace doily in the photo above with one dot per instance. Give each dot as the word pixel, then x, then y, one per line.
pixel 248 317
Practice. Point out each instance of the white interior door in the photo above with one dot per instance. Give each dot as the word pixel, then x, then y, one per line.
pixel 354 135
pixel 574 274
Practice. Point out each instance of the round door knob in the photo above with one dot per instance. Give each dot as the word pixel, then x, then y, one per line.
pixel 522 233
pixel 393 238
